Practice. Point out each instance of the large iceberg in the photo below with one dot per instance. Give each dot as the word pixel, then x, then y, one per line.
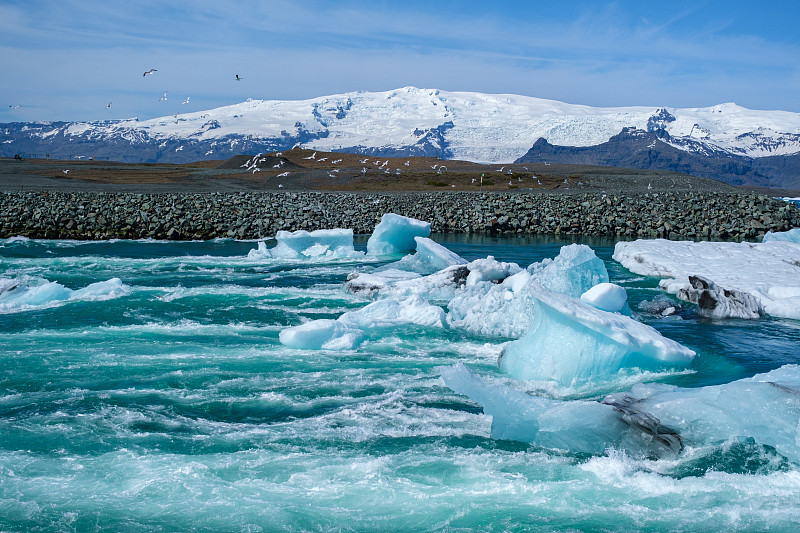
pixel 652 420
pixel 571 341
pixel 429 257
pixel 769 272
pixel 395 234
pixel 301 244
pixel 497 301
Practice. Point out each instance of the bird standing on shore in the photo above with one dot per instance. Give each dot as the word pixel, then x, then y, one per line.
pixel 149 72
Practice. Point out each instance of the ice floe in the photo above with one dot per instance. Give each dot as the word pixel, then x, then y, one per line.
pixel 793 235
pixel 652 420
pixel 769 272
pixel 28 293
pixel 301 244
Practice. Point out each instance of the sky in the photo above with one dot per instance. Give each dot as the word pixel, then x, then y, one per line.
pixel 70 59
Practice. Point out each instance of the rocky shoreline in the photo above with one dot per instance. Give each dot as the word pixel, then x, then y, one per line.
pixel 249 215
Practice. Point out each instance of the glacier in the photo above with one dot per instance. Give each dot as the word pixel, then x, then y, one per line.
pixel 703 272
pixel 453 125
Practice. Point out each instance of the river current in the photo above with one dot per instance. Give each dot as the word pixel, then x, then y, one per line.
pixel 148 391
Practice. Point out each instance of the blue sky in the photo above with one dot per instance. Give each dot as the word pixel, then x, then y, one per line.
pixel 67 59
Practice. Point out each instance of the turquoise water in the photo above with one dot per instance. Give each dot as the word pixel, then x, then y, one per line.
pixel 165 401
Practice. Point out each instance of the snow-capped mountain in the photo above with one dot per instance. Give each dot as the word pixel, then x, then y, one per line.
pixel 411 121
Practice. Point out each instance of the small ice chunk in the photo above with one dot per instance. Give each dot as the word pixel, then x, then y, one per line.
pixel 19 294
pixel 793 235
pixel 570 340
pixel 606 296
pixel 301 244
pixel 395 234
pixel 323 334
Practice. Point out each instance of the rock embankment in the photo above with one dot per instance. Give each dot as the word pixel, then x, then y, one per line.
pixel 247 215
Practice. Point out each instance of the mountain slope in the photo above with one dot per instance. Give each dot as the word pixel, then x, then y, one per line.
pixel 423 122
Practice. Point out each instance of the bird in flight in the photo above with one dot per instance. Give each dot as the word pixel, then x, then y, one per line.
pixel 108 105
pixel 149 72
pixel 238 78
pixel 15 106
pixel 65 171
pixel 186 101
pixel 163 97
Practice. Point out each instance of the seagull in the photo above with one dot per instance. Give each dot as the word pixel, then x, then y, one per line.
pixel 15 106
pixel 280 185
pixel 510 182
pixel 238 78
pixel 210 152
pixel 66 171
pixel 364 170
pixel 363 161
pixel 283 175
pixel 407 162
pixel 434 166
pixel 186 101
pixel 500 169
pixel 322 159
pixel 163 97
pixel 312 156
pixel 336 162
pixel 108 105
pixel 473 180
pixel 149 72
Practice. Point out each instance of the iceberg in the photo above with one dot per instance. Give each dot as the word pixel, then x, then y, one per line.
pixel 395 234
pixel 768 271
pixel 793 235
pixel 25 293
pixel 301 244
pixel 505 308
pixel 652 420
pixel 430 257
pixel 350 329
pixel 570 340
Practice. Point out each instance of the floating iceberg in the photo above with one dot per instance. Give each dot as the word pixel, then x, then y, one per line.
pixel 793 235
pixel 505 309
pixel 570 340
pixel 395 234
pixel 301 244
pixel 575 270
pixel 652 420
pixel 769 272
pixel 26 293
pixel 350 329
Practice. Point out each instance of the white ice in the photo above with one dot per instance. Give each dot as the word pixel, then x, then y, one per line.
pixel 430 257
pixel 25 293
pixel 350 329
pixel 505 309
pixel 395 235
pixel 769 271
pixel 301 244
pixel 607 297
pixel 651 419
pixel 571 341
pixel 793 235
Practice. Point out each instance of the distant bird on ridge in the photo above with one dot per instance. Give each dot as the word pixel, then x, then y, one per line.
pixel 149 72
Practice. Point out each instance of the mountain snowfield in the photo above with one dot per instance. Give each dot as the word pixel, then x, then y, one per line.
pixel 474 126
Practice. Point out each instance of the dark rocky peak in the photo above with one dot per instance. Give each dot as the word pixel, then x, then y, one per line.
pixel 659 120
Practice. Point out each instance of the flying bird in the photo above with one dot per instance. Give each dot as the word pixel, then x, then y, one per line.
pixel 15 106
pixel 149 72
pixel 108 105
pixel 238 78
pixel 163 97
pixel 186 101
pixel 65 171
